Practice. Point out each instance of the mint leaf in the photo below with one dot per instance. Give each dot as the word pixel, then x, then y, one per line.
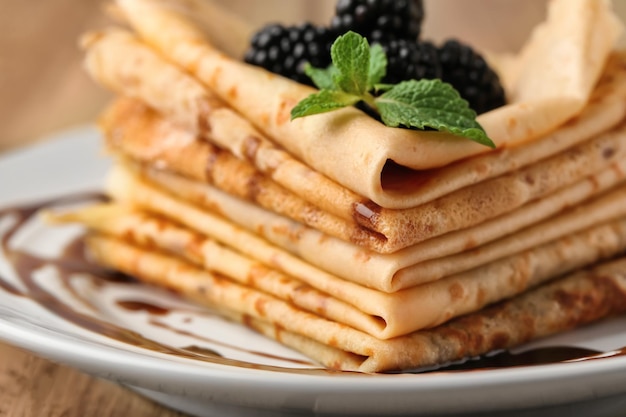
pixel 430 104
pixel 377 66
pixel 351 56
pixel 322 78
pixel 322 102
pixel 358 69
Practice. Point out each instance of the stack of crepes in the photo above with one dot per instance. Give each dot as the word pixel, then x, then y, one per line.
pixel 366 247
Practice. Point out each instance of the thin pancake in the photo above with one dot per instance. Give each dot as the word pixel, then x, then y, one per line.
pixel 564 304
pixel 115 57
pixel 328 142
pixel 381 315
pixel 133 130
pixel 391 314
pixel 384 272
pixel 140 228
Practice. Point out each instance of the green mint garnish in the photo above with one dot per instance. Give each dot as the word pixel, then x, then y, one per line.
pixel 355 76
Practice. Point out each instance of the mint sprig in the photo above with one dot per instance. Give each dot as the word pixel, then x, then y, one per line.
pixel 355 76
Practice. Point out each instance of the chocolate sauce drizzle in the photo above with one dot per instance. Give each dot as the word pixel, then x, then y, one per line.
pixel 72 261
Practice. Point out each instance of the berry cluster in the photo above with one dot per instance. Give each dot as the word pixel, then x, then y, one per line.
pixel 396 26
pixel 379 20
pixel 285 50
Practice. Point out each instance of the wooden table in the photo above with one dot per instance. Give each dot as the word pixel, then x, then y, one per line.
pixel 31 386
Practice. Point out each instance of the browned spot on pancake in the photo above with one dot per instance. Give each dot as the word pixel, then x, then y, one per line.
pixel 159 223
pixel 595 183
pixel 529 179
pixel 193 66
pixel 202 289
pixel 255 273
pixel 567 300
pixel 275 260
pixel 332 342
pixel 247 321
pixel 456 291
pixel 425 230
pixel 481 296
pixel 522 272
pixel 302 288
pixel 500 340
pixel 466 341
pixel 215 76
pixel 260 230
pixel 211 161
pixel 204 109
pixel 128 236
pixel 284 280
pixel 311 215
pixel 278 333
pixel 194 246
pixel 292 233
pixel 511 123
pixel 601 297
pixel 368 238
pixel 233 92
pixel 363 255
pixel 323 238
pixel 322 305
pixel 135 237
pixel 264 119
pixel 251 147
pixel 470 243
pixel 254 186
pixel 607 153
pixel 482 169
pixel 284 111
pixel 259 306
pixel 369 352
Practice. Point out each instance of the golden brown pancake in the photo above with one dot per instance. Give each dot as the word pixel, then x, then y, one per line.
pixel 561 305
pixel 351 148
pixel 365 247
pixel 215 244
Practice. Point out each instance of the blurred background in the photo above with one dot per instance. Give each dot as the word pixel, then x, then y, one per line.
pixel 44 89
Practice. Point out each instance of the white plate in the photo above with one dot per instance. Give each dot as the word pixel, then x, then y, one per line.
pixel 253 376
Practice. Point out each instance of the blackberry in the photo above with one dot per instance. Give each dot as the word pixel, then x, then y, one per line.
pixel 378 20
pixel 470 74
pixel 408 60
pixel 285 50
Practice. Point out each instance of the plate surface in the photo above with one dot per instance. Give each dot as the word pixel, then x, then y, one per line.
pixel 189 359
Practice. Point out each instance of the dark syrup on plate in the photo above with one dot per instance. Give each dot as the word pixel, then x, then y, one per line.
pixel 72 261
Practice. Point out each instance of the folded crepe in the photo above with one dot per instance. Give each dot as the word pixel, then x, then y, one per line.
pixel 116 57
pixel 390 257
pixel 561 305
pixel 151 217
pixel 387 273
pixel 113 58
pixel 135 131
pixel 581 33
